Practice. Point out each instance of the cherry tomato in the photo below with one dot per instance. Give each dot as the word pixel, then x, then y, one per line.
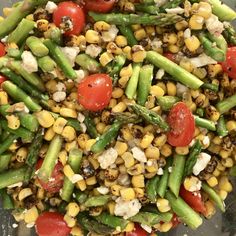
pixel 51 224
pixel 182 125
pixel 101 6
pixel 54 185
pixel 229 65
pixel 138 231
pixel 2 79
pixel 94 92
pixel 193 199
pixel 175 221
pixel 170 56
pixel 2 50
pixel 74 13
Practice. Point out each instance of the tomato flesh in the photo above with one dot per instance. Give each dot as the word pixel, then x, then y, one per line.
pixel 138 231
pixel 51 224
pixel 101 6
pixel 73 16
pixel 175 221
pixel 182 125
pixel 229 65
pixel 2 50
pixel 193 199
pixel 94 92
pixel 170 56
pixel 2 79
pixel 56 181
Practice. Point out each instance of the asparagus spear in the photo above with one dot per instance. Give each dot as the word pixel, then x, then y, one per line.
pixel 221 127
pixel 88 63
pixel 128 33
pixel 200 112
pixel 178 73
pixel 170 4
pixel 37 47
pixel 97 201
pixel 46 64
pixel 7 201
pixel 150 9
pixel 55 35
pixel 8 141
pixel 213 87
pixel 19 95
pixel 80 196
pixel 91 128
pixel 150 116
pixel 5 159
pixel 230 34
pixel 167 102
pixel 130 19
pixel 225 105
pixel 204 123
pixel 219 40
pixel 151 188
pixel 61 60
pixel 14 52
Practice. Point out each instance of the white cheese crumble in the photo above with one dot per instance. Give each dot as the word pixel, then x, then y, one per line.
pixel 103 190
pixel 187 33
pixel 147 228
pixel 170 169
pixel 83 127
pixel 60 86
pixel 127 209
pixel 50 6
pixel 160 3
pixel 30 225
pixel 160 171
pixel 59 96
pixel 14 225
pixel 29 62
pixel 160 73
pixel 202 161
pixel 110 35
pixel 19 184
pixel 107 158
pixel 80 75
pixel 80 117
pixel 156 44
pixel 4 40
pixel 202 60
pixel 181 89
pixel 214 26
pixel 177 10
pixel 71 53
pixel 93 50
pixel 139 154
pixel 206 141
pixel 124 179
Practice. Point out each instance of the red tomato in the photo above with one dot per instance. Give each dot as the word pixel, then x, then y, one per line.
pixel 138 231
pixel 94 92
pixel 74 12
pixel 170 56
pixel 175 221
pixel 101 6
pixel 193 199
pixel 2 79
pixel 51 224
pixel 56 184
pixel 229 66
pixel 2 50
pixel 182 125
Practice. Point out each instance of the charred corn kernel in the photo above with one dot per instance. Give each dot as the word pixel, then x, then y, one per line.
pixel 126 133
pixel 117 92
pixel 13 121
pixel 101 26
pixel 127 194
pixel 170 38
pixel 181 25
pixel 105 58
pixel 42 25
pixel 94 162
pixel 166 150
pixel 70 145
pixel 70 221
pixel 139 192
pixel 140 34
pixel 115 189
pixel 200 73
pixel 182 150
pixel 3 98
pixel 217 140
pixel 150 30
pixel 45 118
pixel 21 154
pixel 227 162
pixel 139 56
pixel 231 125
pixel 113 48
pixel 91 181
pixel 212 181
pixel 220 167
pixel 59 125
pixel 100 127
pixel 121 147
pixel 138 181
pixel 73 209
pixel 69 133
pixel 81 184
pixel 67 112
pixel 111 207
pixel 214 70
pixel 204 10
pixel 76 231
pixel 129 227
pixel 49 134
pixel 171 88
pixel 192 43
pixel 24 193
pixel 135 170
pixel 186 64
pixel 128 159
pixel 121 41
pixel 146 140
pixel 82 139
pixel 224 153
pixel 136 27
pixel 89 144
pixel 51 86
pixel 152 152
pixel 196 22
pixel 210 209
pixel 119 161
pixel 31 215
pixel 157 91
pixel 216 173
pixel 7 11
pixel 128 52
pixel 163 205
pixel 92 36
pixel 120 107
pixel 160 140
pixel 126 71
pixel 173 48
pixel 40 193
pixel 225 185
pixel 165 227
pixel 223 194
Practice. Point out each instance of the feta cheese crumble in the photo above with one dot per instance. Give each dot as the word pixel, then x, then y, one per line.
pixel 139 154
pixel 202 161
pixel 29 62
pixel 50 6
pixel 71 53
pixel 107 158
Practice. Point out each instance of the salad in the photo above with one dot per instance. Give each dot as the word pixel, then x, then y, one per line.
pixel 117 117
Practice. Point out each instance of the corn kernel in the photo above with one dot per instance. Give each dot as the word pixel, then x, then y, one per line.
pixel 92 36
pixel 24 193
pixel 166 150
pixel 127 51
pixel 139 56
pixel 128 159
pixel 82 139
pixel 165 227
pixel 138 181
pixel 146 140
pixel 171 89
pixel 182 150
pixel 115 189
pixel 21 154
pixel 59 125
pixel 13 121
pixel 129 227
pixel 121 147
pixel 212 181
pixel 69 133
pixel 31 215
pixel 210 209
pixel 157 91
pixel 231 125
pixel 67 112
pixel 76 231
pixel 70 221
pixel 3 98
pixel 81 184
pixel 223 194
pixel 160 140
pixel 127 194
pixel 173 48
pixel 204 10
pixel 73 209
pixel 163 205
pixel 181 25
pixel 49 135
pixel 91 181
pixel 106 58
pixel 121 41
pixel 7 11
pixel 170 38
pixel 152 152
pixel 192 43
pixel 120 107
pixel 126 71
pixel 89 144
pixel 101 26
pixel 140 34
pixel 111 207
pixel 225 185
pixel 196 22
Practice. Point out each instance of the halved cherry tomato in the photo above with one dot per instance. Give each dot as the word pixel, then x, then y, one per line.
pixel 74 13
pixel 94 92
pixel 101 6
pixel 2 79
pixel 170 56
pixel 193 199
pixel 56 182
pixel 229 65
pixel 138 231
pixel 175 221
pixel 182 125
pixel 51 224
pixel 2 50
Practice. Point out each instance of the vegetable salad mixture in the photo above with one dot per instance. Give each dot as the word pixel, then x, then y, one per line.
pixel 117 117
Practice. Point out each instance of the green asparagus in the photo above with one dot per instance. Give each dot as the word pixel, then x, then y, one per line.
pixel 167 102
pixel 91 127
pixel 151 188
pixel 129 35
pixel 212 87
pixel 8 141
pixel 46 64
pixel 204 123
pixel 221 127
pixel 97 201
pixel 5 159
pixel 117 65
pixel 88 63
pixel 230 34
pixel 37 47
pixel 150 9
pixel 170 4
pixel 226 104
pixel 7 201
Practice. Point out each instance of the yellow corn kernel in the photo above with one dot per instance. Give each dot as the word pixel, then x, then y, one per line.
pixel 127 194
pixel 129 227
pixel 45 118
pixel 170 38
pixel 191 183
pixel 157 91
pixel 126 133
pixel 89 144
pixel 7 11
pixel 73 209
pixel 166 150
pixel 70 221
pixel 121 147
pixel 146 140
pixel 227 162
pixel 223 194
pixel 69 173
pixel 182 150
pixel 196 22
pixel 40 193
pixel 165 227
pixel 69 133
pixel 138 181
pixel 214 70
pixel 121 41
pixel 128 52
pixel 115 189
pixel 217 140
pixel 59 125
pixel 162 85
pixel 120 107
pixel 136 27
pixel 67 112
pixel 135 170
pixel 13 121
pixel 140 34
pixel 76 231
pixel 139 56
pixel 49 135
pixel 160 140
pixel 94 162
pixel 152 152
pixel 100 127
pixel 200 73
pixel 171 88
pixel 181 25
pixel 21 154
pixel 126 71
pixel 216 172
pixel 231 125
pixel 70 145
pixel 212 181
pixel 173 48
pixel 31 215
pixel 204 10
pixel 117 92
pixel 210 209
pixel 81 184
pixel 186 64
pixel 128 159
pixel 92 36
pixel 24 193
pixel 225 185
pixel 192 43
pixel 163 205
pixel 113 48
pixel 106 58
pixel 82 139
pixel 111 207
pixel 101 26
pixel 3 98
pixel 112 103
pixel 224 153
pixel 91 181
